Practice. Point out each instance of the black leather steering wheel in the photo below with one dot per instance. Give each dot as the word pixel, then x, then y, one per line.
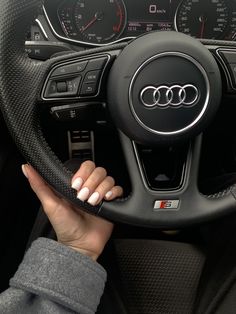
pixel 192 76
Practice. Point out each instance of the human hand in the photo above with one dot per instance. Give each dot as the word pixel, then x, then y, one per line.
pixel 78 230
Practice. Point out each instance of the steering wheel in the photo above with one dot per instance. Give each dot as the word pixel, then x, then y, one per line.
pixel 162 87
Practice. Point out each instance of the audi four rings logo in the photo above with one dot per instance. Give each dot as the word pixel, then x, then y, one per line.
pixel 165 96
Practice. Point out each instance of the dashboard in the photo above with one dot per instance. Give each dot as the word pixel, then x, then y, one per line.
pixel 102 22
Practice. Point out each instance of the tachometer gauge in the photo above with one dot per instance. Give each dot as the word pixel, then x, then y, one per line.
pixel 203 18
pixel 100 22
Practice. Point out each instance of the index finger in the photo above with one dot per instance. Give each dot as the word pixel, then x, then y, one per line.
pixel 85 170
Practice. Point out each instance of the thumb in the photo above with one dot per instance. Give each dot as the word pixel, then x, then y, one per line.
pixel 45 194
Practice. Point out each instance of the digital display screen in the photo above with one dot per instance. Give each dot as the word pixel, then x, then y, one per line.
pixel 154 15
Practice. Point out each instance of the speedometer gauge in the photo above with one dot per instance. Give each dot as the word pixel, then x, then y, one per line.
pixel 100 21
pixel 203 18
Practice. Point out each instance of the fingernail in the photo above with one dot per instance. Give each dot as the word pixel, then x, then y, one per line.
pixel 94 199
pixel 24 170
pixel 77 184
pixel 83 194
pixel 108 195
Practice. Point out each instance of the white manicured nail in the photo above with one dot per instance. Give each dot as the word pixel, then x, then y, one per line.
pixel 83 194
pixel 77 184
pixel 94 198
pixel 108 195
pixel 23 167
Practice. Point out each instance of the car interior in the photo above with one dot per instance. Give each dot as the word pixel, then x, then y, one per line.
pixel 147 90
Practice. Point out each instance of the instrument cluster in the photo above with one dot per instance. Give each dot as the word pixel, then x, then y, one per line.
pixel 102 22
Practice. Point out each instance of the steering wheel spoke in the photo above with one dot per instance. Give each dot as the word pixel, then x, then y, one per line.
pixel 165 208
pixel 192 164
pixel 139 181
pixel 78 77
pixel 133 166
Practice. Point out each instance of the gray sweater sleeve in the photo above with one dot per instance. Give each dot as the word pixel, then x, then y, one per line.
pixel 53 278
